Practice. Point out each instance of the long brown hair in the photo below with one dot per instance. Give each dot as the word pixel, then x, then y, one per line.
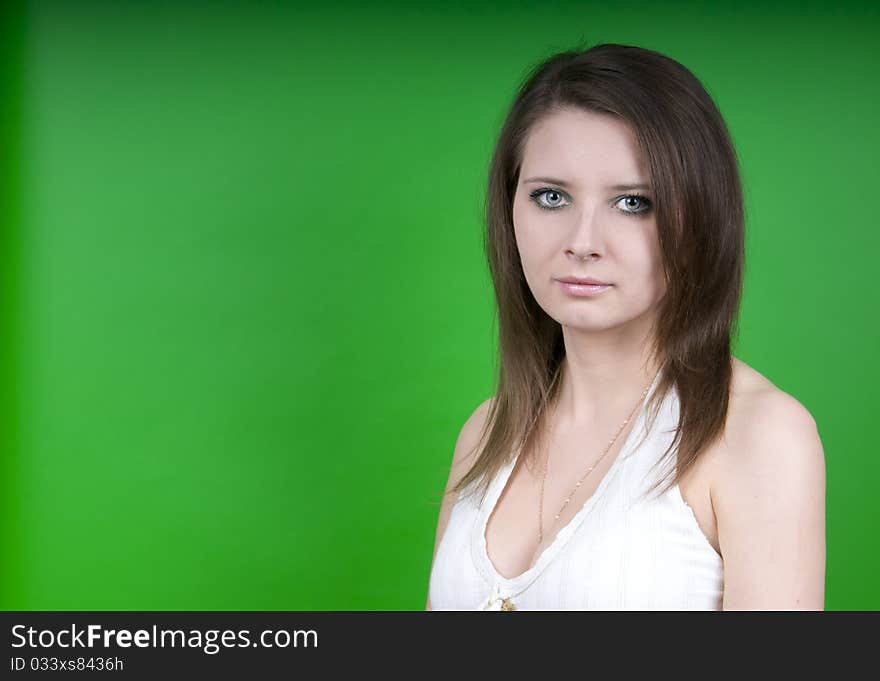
pixel 700 223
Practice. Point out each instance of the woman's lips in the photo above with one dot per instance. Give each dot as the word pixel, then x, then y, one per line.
pixel 584 290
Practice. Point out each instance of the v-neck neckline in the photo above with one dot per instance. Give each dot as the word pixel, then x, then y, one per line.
pixel 479 547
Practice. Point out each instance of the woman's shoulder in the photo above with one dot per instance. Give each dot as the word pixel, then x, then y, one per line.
pixel 759 409
pixel 770 441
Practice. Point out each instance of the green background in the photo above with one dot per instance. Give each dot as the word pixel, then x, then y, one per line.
pixel 245 306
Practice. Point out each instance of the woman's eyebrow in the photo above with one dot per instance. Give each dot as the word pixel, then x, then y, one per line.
pixel 616 187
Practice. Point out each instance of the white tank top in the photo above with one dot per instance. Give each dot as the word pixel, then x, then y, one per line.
pixel 619 551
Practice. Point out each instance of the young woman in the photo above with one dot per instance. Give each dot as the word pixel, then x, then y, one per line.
pixel 627 459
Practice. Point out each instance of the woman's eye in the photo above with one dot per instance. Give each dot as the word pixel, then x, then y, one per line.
pixel 548 199
pixel 632 202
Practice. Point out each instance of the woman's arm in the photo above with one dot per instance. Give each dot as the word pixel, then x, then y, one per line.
pixel 769 502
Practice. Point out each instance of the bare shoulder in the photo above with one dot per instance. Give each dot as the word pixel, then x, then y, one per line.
pixel 766 427
pixel 467 443
pixel 760 417
pixel 768 495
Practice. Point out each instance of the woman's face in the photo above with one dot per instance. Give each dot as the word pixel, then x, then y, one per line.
pixel 579 220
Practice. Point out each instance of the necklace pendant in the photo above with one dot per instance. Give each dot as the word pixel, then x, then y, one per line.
pixel 498 603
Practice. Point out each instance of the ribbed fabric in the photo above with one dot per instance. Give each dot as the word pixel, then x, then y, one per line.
pixel 619 552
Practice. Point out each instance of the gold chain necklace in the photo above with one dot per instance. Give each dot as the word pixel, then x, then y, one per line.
pixel 506 604
pixel 583 477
